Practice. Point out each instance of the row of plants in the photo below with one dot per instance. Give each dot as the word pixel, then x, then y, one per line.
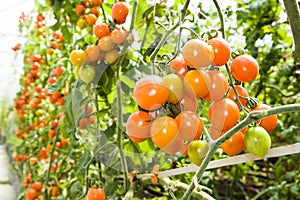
pixel 113 90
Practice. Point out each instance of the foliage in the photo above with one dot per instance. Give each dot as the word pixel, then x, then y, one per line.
pixel 72 108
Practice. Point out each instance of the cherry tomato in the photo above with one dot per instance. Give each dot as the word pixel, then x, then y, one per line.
pixel 257 141
pixel 218 86
pixel 197 53
pixel 118 36
pixel 31 194
pixel 190 126
pixel 105 44
pixel 101 30
pixel 197 151
pixel 151 92
pixel 234 145
pixel 112 56
pixel 244 68
pixel 77 57
pixel 174 146
pixel 96 194
pixel 268 123
pixel 189 103
pixel 179 66
pixel 119 12
pixel 223 114
pixel 163 131
pixel 197 83
pixel 175 85
pixel 138 125
pixel 87 73
pixel 221 51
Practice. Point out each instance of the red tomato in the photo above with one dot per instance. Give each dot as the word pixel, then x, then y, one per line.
pixel 268 123
pixel 179 66
pixel 221 51
pixel 218 87
pixel 241 91
pixel 244 68
pixel 138 125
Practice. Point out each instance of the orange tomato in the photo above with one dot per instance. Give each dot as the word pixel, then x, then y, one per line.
pixel 268 123
pixel 138 125
pixel 197 83
pixel 234 145
pixel 221 51
pixel 119 12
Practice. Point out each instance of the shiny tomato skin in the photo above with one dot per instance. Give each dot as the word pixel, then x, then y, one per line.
pixel 138 125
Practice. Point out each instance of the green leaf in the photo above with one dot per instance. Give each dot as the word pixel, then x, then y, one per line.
pixel 127 81
pixel 59 84
pixel 76 189
pixel 68 35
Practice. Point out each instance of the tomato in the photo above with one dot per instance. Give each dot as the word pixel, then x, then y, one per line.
pixel 138 125
pixel 189 103
pixel 79 9
pixel 234 145
pixel 51 133
pixel 93 53
pixel 96 194
pixel 257 141
pixel 81 23
pixel 118 36
pixel 91 18
pixel 151 92
pixel 244 68
pixel 215 133
pixel 82 123
pixel 179 66
pixel 77 57
pixel 163 131
pixel 223 114
pixel 197 53
pixel 112 56
pixel 87 73
pixel 31 194
pixel 37 186
pixel 197 83
pixel 105 43
pixel 241 91
pixel 119 12
pixel 54 190
pixel 269 123
pixel 221 51
pixel 197 151
pixel 97 2
pixel 218 86
pixel 190 126
pixel 175 85
pixel 101 30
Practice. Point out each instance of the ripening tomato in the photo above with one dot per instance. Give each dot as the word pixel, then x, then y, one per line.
pixel 175 85
pixel 79 9
pixel 234 145
pixel 31 194
pixel 97 2
pixel 101 30
pixel 218 86
pixel 197 53
pixel 105 43
pixel 77 57
pixel 138 125
pixel 197 83
pixel 96 194
pixel 190 126
pixel 112 56
pixel 257 141
pixel 189 103
pixel 243 94
pixel 118 36
pixel 37 186
pixel 179 66
pixel 197 151
pixel 269 123
pixel 221 51
pixel 91 18
pixel 175 146
pixel 244 68
pixel 163 131
pixel 119 12
pixel 93 54
pixel 151 92
pixel 223 114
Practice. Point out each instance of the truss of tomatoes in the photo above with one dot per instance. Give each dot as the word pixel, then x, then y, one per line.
pixel 168 104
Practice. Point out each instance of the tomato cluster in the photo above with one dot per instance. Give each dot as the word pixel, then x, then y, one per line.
pixel 169 104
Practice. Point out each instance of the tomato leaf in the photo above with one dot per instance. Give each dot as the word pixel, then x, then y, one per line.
pixel 76 189
pixel 59 84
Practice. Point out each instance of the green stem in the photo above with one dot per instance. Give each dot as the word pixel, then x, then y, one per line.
pixel 119 98
pixel 168 32
pixel 221 18
pixel 293 12
pixel 251 117
pixel 50 162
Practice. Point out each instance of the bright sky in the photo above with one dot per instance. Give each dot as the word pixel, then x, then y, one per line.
pixel 9 37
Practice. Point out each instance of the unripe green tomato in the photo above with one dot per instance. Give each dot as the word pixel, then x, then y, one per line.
pixel 197 151
pixel 257 141
pixel 175 85
pixel 87 73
